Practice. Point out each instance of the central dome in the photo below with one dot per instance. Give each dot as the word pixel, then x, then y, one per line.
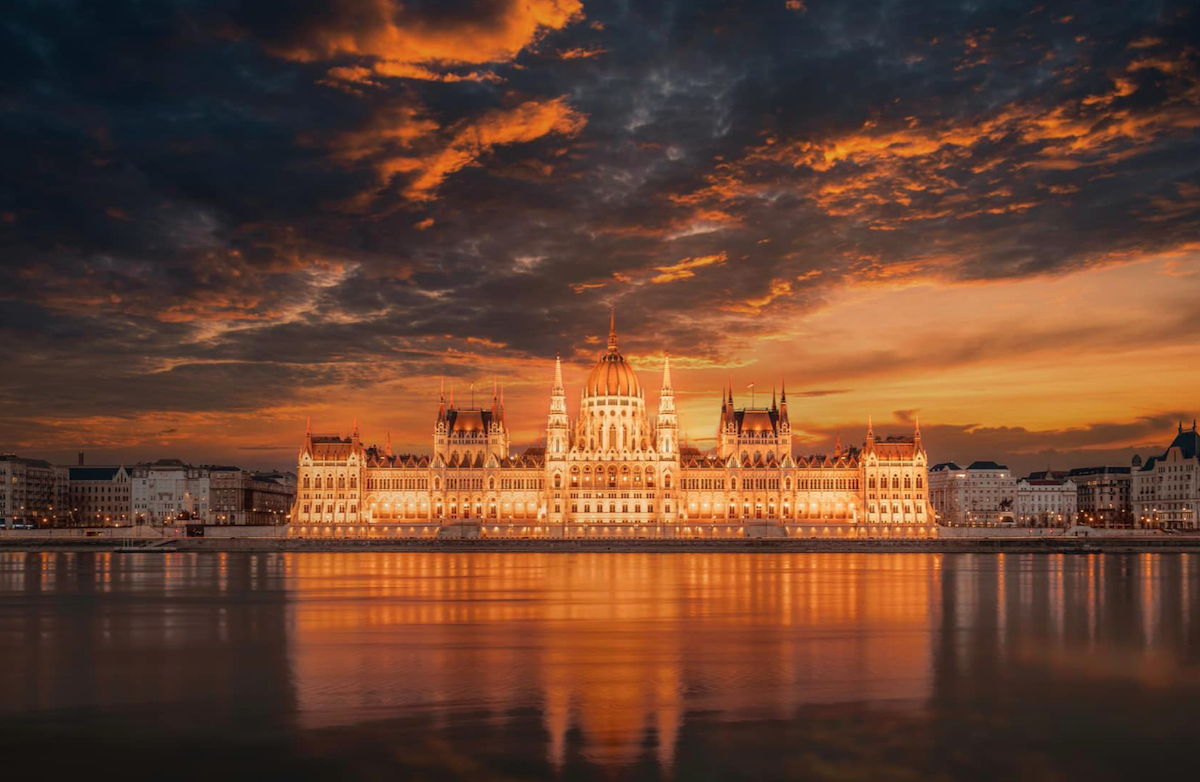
pixel 612 375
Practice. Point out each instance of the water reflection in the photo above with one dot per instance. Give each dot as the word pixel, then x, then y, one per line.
pixel 650 665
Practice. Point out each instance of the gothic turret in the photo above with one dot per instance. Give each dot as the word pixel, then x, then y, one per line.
pixel 667 427
pixel 558 425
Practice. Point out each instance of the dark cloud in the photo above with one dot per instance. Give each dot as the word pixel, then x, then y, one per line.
pixel 212 206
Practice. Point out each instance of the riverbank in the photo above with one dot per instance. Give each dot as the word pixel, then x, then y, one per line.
pixel 1054 545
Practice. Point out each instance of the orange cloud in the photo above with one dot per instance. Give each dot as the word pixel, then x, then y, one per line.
pixel 397 41
pixel 684 269
pixel 754 306
pixel 877 172
pixel 403 140
pixel 580 53
pixel 475 138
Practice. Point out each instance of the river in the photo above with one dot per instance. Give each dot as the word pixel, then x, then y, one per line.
pixel 605 666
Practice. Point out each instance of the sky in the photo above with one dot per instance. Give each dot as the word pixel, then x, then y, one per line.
pixel 221 219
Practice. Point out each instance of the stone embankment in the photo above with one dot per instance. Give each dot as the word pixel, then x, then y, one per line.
pixel 1046 545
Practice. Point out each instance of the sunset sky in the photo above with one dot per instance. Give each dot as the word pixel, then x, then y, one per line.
pixel 218 219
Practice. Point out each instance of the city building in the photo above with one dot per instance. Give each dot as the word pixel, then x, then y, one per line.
pixel 169 490
pixel 982 494
pixel 613 472
pixel 1046 502
pixel 101 496
pixel 1165 490
pixel 33 492
pixel 238 496
pixel 1103 496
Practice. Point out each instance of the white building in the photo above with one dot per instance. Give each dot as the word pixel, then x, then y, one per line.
pixel 169 490
pixel 614 471
pixel 983 493
pixel 1165 491
pixel 1046 502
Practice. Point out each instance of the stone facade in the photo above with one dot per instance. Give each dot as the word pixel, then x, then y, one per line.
pixel 1165 490
pixel 168 491
pixel 1103 496
pixel 982 494
pixel 238 496
pixel 101 496
pixel 612 472
pixel 33 492
pixel 1046 502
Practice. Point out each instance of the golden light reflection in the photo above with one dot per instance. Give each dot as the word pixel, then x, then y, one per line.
pixel 620 647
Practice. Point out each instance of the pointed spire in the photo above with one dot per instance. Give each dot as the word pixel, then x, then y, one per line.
pixel 731 392
pixel 451 393
pixel 308 427
pixel 387 447
pixel 442 392
pixel 354 433
pixel 837 445
pixel 612 330
pixel 774 406
pixel 666 382
pixel 783 392
pixel 558 380
pixel 870 432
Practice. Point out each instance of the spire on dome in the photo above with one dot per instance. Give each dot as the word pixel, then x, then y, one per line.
pixel 612 330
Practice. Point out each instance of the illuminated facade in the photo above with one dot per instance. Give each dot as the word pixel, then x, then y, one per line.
pixel 614 472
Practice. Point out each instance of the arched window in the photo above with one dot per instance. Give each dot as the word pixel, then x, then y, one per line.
pixel 895 481
pixel 353 481
pixel 491 483
pixel 920 482
pixel 667 481
pixel 908 481
pixel 871 482
pixel 557 481
pixel 306 482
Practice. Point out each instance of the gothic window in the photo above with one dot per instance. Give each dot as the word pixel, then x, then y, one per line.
pixel 667 481
pixel 733 484
pixel 306 483
pixel 353 481
pixel 871 482
pixel 491 483
pixel 920 482
pixel 908 481
pixel 895 481
pixel 557 481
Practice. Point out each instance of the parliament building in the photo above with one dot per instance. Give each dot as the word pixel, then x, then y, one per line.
pixel 612 472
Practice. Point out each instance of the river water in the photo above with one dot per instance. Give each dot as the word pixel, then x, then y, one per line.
pixel 600 666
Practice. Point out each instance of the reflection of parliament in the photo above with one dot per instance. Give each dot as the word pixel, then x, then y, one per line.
pixel 612 473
